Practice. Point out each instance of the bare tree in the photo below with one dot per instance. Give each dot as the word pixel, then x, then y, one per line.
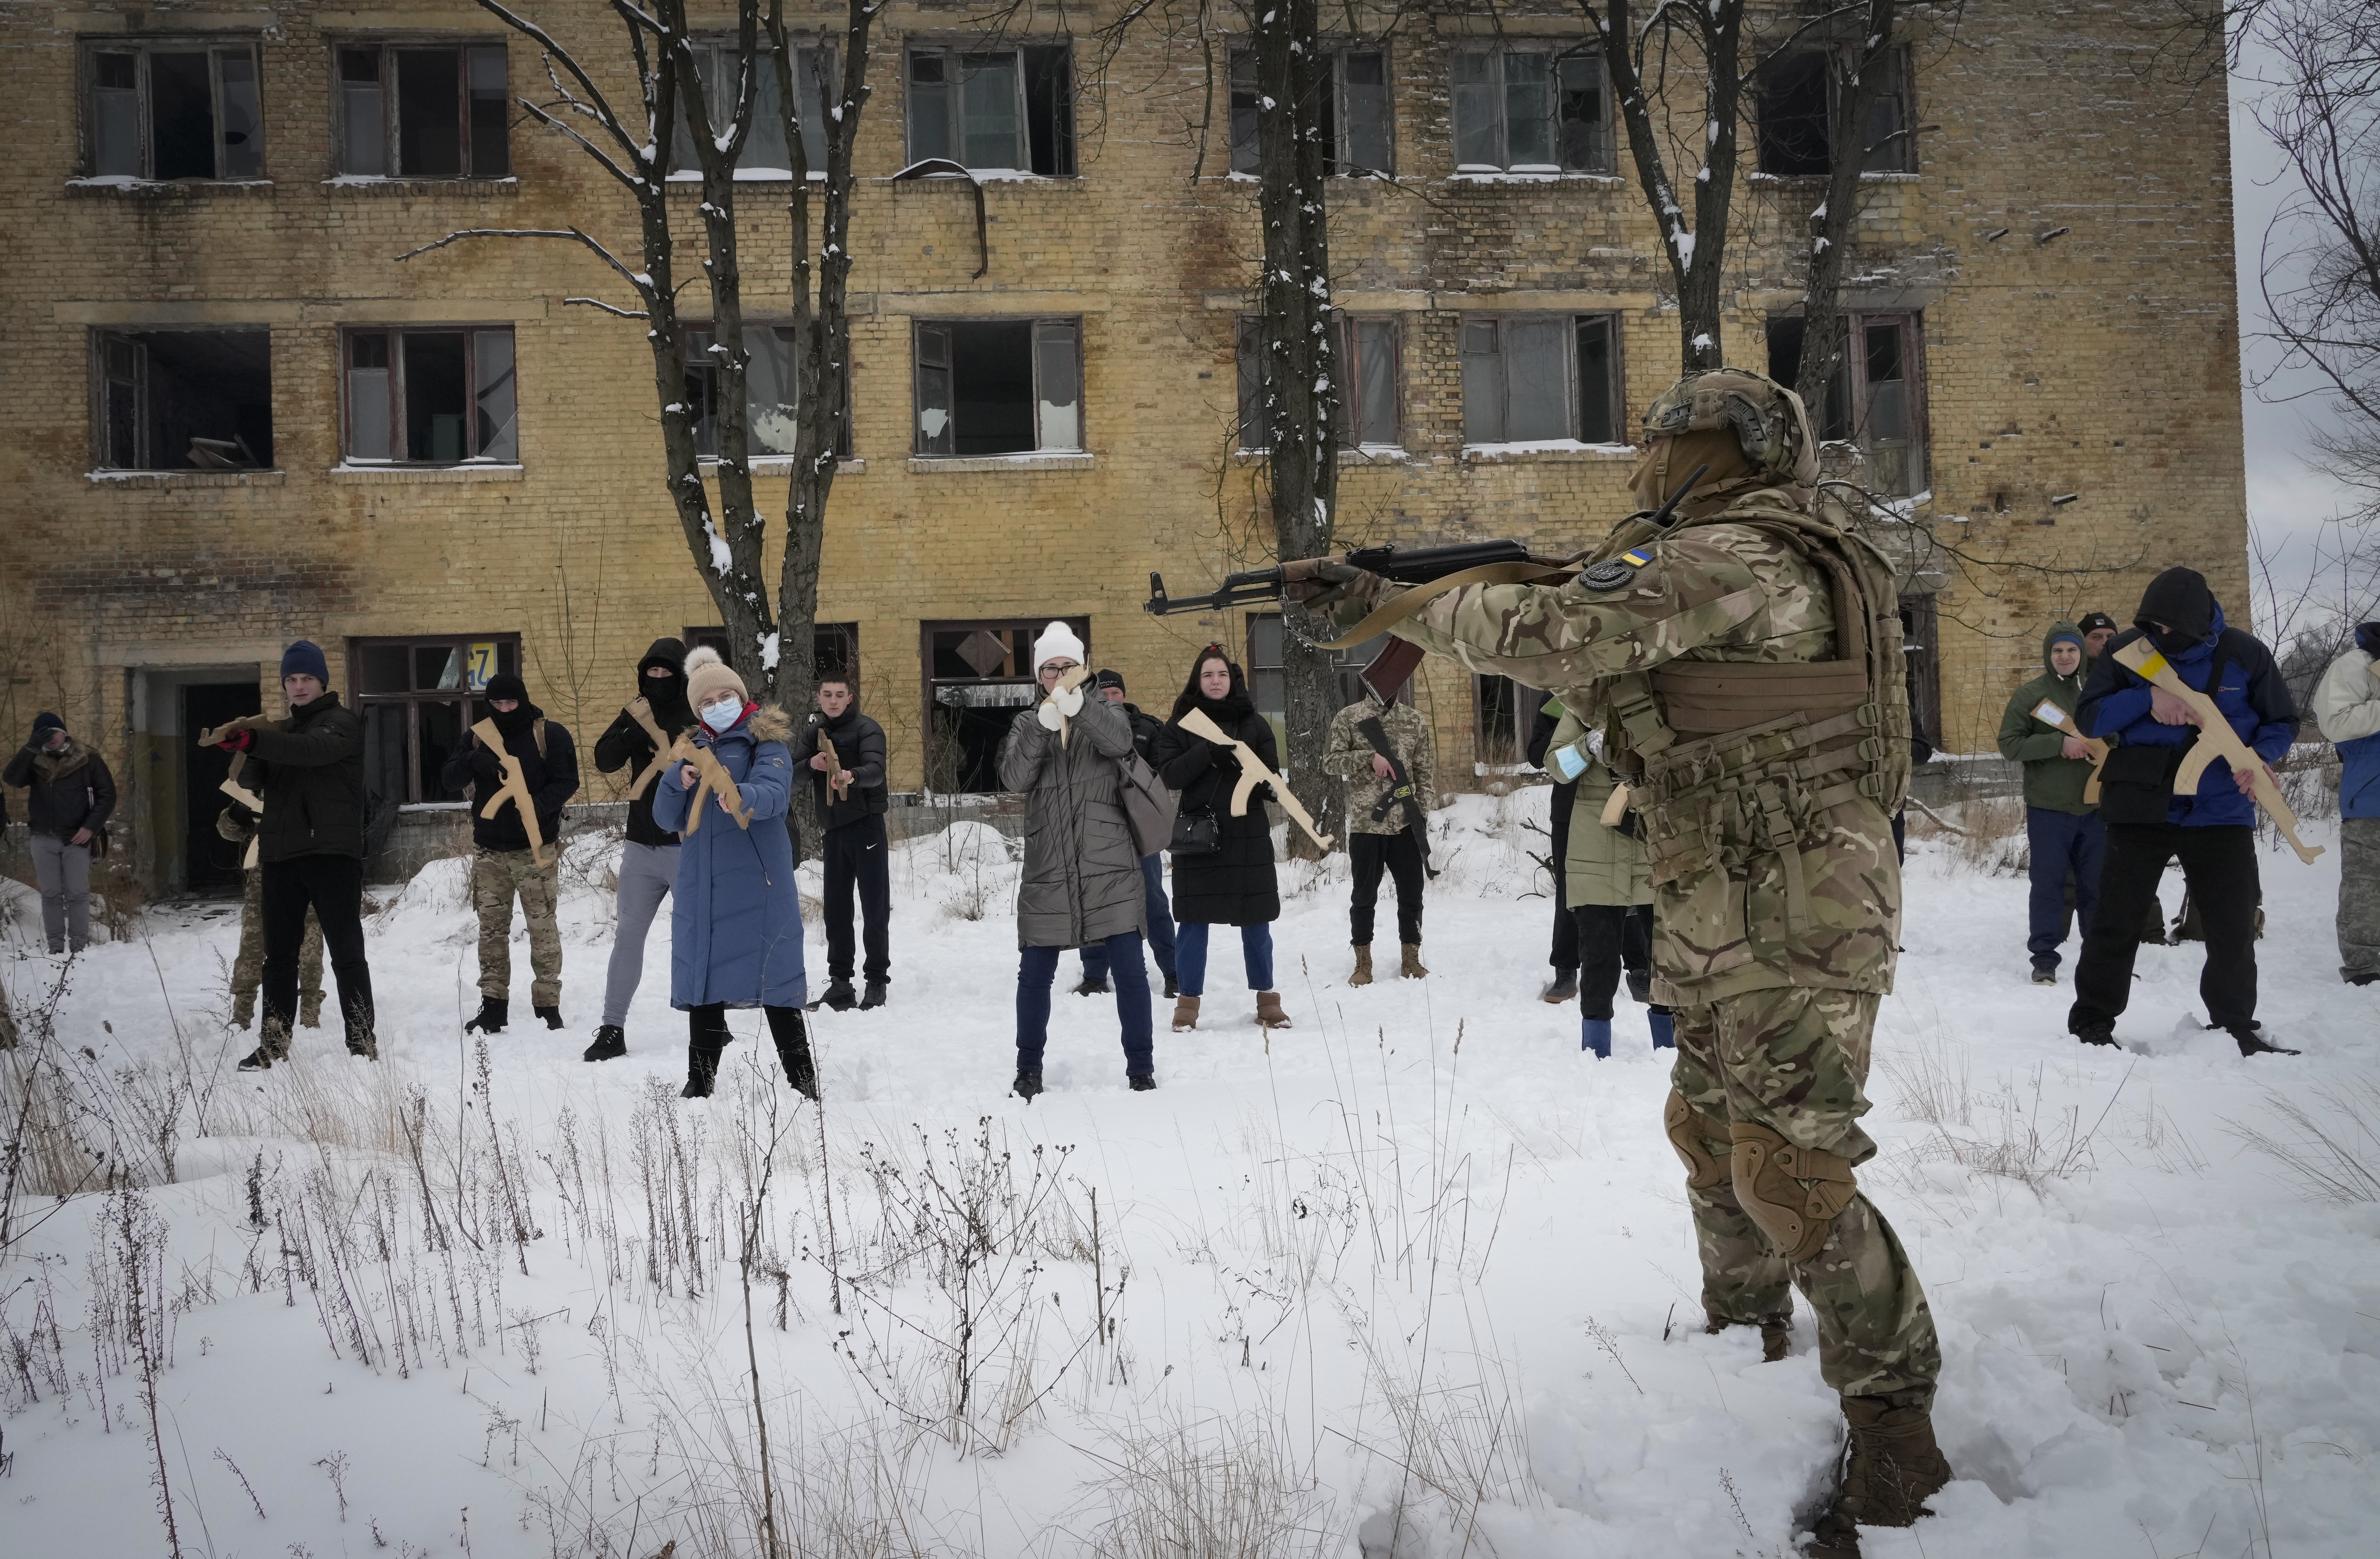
pixel 636 147
pixel 1856 73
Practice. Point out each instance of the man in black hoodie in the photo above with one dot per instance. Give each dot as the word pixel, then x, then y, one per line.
pixel 648 859
pixel 65 819
pixel 852 815
pixel 503 867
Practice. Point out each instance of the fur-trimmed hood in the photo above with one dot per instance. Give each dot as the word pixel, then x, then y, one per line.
pixel 771 723
pixel 55 766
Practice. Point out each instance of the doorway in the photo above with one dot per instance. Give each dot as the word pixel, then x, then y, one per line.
pixel 211 864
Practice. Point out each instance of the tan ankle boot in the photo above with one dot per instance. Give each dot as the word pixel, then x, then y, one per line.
pixel 1894 1467
pixel 1185 1013
pixel 1411 968
pixel 1363 975
pixel 1268 1012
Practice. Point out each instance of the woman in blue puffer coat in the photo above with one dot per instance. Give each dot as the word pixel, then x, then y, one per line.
pixel 736 918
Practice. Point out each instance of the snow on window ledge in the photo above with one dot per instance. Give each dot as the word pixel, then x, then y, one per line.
pixel 1477 174
pixel 376 183
pixel 351 472
pixel 1374 455
pixel 126 184
pixel 783 466
pixel 745 175
pixel 186 478
pixel 1555 449
pixel 1031 460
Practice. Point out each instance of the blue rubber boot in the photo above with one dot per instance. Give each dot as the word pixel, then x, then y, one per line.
pixel 1595 1033
pixel 1665 1029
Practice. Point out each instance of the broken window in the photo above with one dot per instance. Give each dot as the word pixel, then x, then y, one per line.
pixel 1541 378
pixel 1531 111
pixel 173 110
pixel 765 152
pixel 995 110
pixel 418 701
pixel 183 400
pixel 1875 397
pixel 978 675
pixel 1794 91
pixel 999 386
pixel 1358 116
pixel 768 388
pixel 432 397
pixel 423 111
pixel 1369 378
pixel 1503 712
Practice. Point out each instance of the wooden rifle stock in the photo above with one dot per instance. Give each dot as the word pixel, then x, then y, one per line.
pixel 716 781
pixel 2051 715
pixel 514 790
pixel 641 711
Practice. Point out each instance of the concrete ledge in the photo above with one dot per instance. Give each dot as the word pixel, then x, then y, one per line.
pixel 952 463
pixel 354 476
pixel 186 478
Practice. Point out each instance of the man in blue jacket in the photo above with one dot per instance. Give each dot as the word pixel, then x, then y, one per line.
pixel 2347 707
pixel 2212 833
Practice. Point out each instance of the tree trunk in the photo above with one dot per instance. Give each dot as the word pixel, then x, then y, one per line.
pixel 1832 224
pixel 1299 357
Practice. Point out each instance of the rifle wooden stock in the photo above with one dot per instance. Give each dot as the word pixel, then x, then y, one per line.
pixel 716 781
pixel 1252 773
pixel 2051 715
pixel 2216 740
pixel 838 778
pixel 244 722
pixel 514 790
pixel 247 798
pixel 641 711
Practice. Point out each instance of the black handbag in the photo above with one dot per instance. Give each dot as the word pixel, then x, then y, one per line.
pixel 1196 833
pixel 2136 786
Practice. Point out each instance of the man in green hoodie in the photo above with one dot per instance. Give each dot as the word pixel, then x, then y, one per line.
pixel 2063 829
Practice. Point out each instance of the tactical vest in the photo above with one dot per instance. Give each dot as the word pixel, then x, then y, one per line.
pixel 1732 760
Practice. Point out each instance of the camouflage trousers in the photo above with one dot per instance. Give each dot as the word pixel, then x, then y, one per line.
pixel 2358 897
pixel 1795 1061
pixel 247 965
pixel 497 877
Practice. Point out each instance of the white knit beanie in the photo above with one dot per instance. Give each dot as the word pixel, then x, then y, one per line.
pixel 705 673
pixel 1057 642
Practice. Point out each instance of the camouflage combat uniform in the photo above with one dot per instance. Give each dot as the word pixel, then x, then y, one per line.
pixel 236 824
pixel 497 875
pixel 1776 886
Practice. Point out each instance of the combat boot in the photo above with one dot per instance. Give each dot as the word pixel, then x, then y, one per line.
pixel 1891 1467
pixel 1092 985
pixel 493 1011
pixel 610 1043
pixel 1363 975
pixel 1411 968
pixel 1027 1086
pixel 243 1009
pixel 873 998
pixel 273 1044
pixel 552 1015
pixel 840 997
pixel 1564 987
pixel 1268 1012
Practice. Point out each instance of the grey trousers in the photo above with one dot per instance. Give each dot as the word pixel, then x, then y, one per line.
pixel 64 871
pixel 647 872
pixel 2358 897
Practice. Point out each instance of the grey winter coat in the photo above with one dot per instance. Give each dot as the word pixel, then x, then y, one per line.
pixel 1082 878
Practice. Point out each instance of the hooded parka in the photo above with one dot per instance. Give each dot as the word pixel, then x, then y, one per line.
pixel 735 917
pixel 1602 866
pixel 1082 881
pixel 2052 781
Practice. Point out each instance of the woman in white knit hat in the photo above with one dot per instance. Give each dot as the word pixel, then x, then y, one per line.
pixel 1082 883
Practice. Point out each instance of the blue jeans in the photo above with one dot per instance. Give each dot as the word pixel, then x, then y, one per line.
pixel 1161 924
pixel 1038 967
pixel 1190 956
pixel 2061 843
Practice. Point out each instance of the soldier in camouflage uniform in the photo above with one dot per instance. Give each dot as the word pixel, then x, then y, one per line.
pixel 504 863
pixel 1743 665
pixel 237 824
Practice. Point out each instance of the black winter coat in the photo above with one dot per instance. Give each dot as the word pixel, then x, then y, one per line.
pixel 552 778
pixel 313 783
pixel 859 745
pixel 64 799
pixel 625 745
pixel 1234 885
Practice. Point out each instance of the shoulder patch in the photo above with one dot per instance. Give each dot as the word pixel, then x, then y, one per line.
pixel 1613 573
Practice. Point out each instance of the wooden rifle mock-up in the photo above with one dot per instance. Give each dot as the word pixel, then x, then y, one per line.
pixel 514 790
pixel 1252 773
pixel 231 785
pixel 2051 715
pixel 2216 740
pixel 641 711
pixel 716 781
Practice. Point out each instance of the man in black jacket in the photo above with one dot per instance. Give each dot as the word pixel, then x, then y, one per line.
pixel 649 860
pixel 311 848
pixel 66 815
pixel 1564 956
pixel 1145 727
pixel 503 864
pixel 852 815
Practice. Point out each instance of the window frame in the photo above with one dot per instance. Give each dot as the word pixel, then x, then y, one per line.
pixel 1523 708
pixel 783 329
pixel 1029 628
pixel 101 339
pixel 1557 53
pixel 1065 152
pixel 918 369
pixel 215 46
pixel 1248 379
pixel 413 698
pixel 1574 409
pixel 395 369
pixel 388 47
pixel 1835 59
pixel 1910 323
pixel 724 48
pixel 715 635
pixel 1342 164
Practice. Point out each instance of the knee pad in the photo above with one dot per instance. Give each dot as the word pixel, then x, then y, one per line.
pixel 1694 1136
pixel 1792 1194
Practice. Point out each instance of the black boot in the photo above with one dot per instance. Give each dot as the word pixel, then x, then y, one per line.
pixel 552 1015
pixel 2098 1033
pixel 840 995
pixel 2252 1041
pixel 874 997
pixel 610 1043
pixel 1173 987
pixel 1140 1082
pixel 1092 987
pixel 493 1010
pixel 356 1018
pixel 1564 987
pixel 794 1050
pixel 1027 1085
pixel 706 1041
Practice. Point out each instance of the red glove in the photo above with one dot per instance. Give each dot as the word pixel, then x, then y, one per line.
pixel 238 741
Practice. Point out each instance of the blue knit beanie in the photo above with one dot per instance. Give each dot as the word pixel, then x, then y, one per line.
pixel 2367 638
pixel 305 658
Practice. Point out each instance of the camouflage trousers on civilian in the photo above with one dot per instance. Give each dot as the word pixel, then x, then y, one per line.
pixel 247 965
pixel 2358 897
pixel 1796 1062
pixel 497 877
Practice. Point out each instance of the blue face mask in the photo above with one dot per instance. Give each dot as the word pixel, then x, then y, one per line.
pixel 722 717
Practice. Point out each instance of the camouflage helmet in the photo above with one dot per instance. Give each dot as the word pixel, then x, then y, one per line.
pixel 1768 420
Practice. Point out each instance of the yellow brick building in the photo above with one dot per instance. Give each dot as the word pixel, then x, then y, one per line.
pixel 236 418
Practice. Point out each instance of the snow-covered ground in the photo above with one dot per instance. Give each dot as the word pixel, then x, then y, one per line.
pixel 1413 1277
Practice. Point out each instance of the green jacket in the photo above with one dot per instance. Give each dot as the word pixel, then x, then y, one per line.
pixel 2052 781
pixel 1602 866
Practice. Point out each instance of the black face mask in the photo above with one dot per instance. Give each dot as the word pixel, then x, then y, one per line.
pixel 2170 644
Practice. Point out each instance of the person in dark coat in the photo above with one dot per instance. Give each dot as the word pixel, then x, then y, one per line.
pixel 2213 832
pixel 649 857
pixel 311 848
pixel 504 863
pixel 735 916
pixel 1563 955
pixel 856 850
pixel 1081 883
pixel 1110 687
pixel 71 796
pixel 1233 884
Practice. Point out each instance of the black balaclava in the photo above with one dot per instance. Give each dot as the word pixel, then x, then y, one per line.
pixel 666 695
pixel 2178 598
pixel 504 685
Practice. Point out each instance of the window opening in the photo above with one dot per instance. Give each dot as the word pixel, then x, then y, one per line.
pixel 1369 399
pixel 978 675
pixel 423 111
pixel 1543 111
pixel 987 387
pixel 1793 92
pixel 1358 115
pixel 1875 397
pixel 834 648
pixel 1541 379
pixel 765 152
pixel 175 111
pixel 1503 712
pixel 994 111
pixel 417 699
pixel 432 397
pixel 184 400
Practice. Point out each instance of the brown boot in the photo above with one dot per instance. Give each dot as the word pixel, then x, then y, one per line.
pixel 1268 1012
pixel 1185 1013
pixel 1893 1469
pixel 1776 1336
pixel 1411 968
pixel 1363 975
